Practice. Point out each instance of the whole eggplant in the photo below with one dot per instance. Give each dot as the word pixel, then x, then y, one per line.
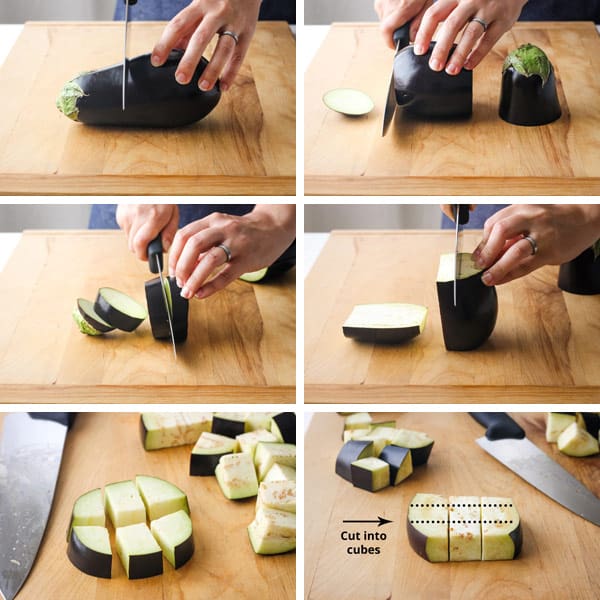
pixel 153 96
pixel 581 275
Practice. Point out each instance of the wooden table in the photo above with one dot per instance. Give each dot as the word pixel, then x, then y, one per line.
pixel 240 347
pixel 560 549
pixel 245 146
pixel 480 156
pixel 544 348
pixel 106 447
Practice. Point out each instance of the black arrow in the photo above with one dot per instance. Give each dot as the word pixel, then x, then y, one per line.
pixel 380 521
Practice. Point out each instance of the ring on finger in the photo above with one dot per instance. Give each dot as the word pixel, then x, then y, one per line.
pixel 227 252
pixel 481 22
pixel 533 243
pixel 231 34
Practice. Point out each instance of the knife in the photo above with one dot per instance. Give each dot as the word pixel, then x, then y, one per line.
pixel 155 262
pixel 461 217
pixel 30 454
pixel 401 39
pixel 506 442
pixel 124 78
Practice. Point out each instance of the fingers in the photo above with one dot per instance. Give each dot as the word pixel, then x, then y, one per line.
pixel 486 43
pixel 448 32
pixel 233 66
pixel 195 49
pixel 222 280
pixel 210 261
pixel 470 36
pixel 222 55
pixel 515 260
pixel 432 17
pixel 180 241
pixel 181 26
pixel 168 233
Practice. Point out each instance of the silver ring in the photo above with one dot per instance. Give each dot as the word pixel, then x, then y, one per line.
pixel 534 246
pixel 481 22
pixel 235 37
pixel 227 252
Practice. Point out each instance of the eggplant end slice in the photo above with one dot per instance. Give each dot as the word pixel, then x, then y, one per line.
pixel 348 101
pixel 83 325
pixel 68 98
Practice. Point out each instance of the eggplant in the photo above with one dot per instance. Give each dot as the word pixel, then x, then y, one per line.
pixel 350 452
pixel 229 424
pixel 272 531
pixel 280 495
pixel 123 504
pixel 88 510
pixel 269 453
pixel 160 497
pixel 358 421
pixel 501 534
pixel 400 463
pixel 556 423
pixel 236 476
pixel 153 96
pixel 392 323
pixel 582 274
pixel 592 423
pixel 91 317
pixel 89 550
pixel 371 473
pixel 248 441
pixel 419 444
pixel 348 101
pixel 427 527
pixel 464 528
pixel 208 450
pixel 470 323
pixel 528 95
pixel 139 552
pixel 167 430
pixel 119 310
pixel 173 532
pixel 431 94
pixel 576 441
pixel 283 425
pixel 280 473
pixel 177 306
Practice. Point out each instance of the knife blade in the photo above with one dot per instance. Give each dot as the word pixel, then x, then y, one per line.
pixel 505 440
pixel 461 217
pixel 124 78
pixel 401 39
pixel 155 262
pixel 30 455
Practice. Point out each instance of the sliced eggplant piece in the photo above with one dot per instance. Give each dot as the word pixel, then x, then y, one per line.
pixel 576 441
pixel 470 323
pixel 154 98
pixel 91 317
pixel 528 95
pixel 236 476
pixel 419 444
pixel 592 423
pixel 501 535
pixel 392 323
pixel 358 421
pixel 427 527
pixel 177 306
pixel 280 495
pixel 269 453
pixel 89 550
pixel 355 434
pixel 581 275
pixel 348 101
pixel 258 421
pixel 160 497
pixel 272 531
pixel 280 473
pixel 255 276
pixel 556 423
pixel 400 462
pixel 167 430
pixel 283 425
pixel 208 450
pixel 229 424
pixel 139 552
pixel 83 325
pixel 247 441
pixel 173 532
pixel 431 94
pixel 123 504
pixel 371 473
pixel 350 452
pixel 88 510
pixel 464 528
pixel 119 310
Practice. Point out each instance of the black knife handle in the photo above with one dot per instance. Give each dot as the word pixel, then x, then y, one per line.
pixel 155 249
pixel 401 36
pixel 64 418
pixel 130 2
pixel 499 426
pixel 463 213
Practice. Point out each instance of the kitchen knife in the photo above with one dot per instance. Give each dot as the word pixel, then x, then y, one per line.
pixel 155 262
pixel 30 454
pixel 506 442
pixel 461 217
pixel 124 78
pixel 401 39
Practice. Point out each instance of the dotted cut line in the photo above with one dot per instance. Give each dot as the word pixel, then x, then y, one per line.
pixel 461 505
pixel 433 521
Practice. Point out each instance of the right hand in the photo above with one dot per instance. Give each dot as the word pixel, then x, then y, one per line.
pixel 395 13
pixel 143 222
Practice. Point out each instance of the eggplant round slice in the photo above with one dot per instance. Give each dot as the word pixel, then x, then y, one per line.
pixel 91 317
pixel 348 101
pixel 119 310
pixel 581 275
pixel 153 96
pixel 89 550
pixel 177 305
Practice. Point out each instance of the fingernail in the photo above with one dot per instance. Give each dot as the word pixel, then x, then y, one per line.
pixel 199 294
pixel 181 78
pixel 224 86
pixel 166 245
pixel 419 49
pixel 469 65
pixel 480 261
pixel 204 85
pixel 179 283
pixel 155 60
pixel 452 69
pixel 186 293
pixel 487 278
pixel 435 64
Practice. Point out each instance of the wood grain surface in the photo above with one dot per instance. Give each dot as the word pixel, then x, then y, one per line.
pixel 483 155
pixel 545 346
pixel 103 448
pixel 560 556
pixel 240 346
pixel 245 146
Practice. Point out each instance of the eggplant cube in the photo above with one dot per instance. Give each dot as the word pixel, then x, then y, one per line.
pixel 350 452
pixel 427 527
pixel 500 529
pixel 139 552
pixel 229 424
pixel 173 532
pixel 556 423
pixel 372 474
pixel 248 441
pixel 89 550
pixel 269 453
pixel 209 448
pixel 464 528
pixel 167 430
pixel 280 495
pixel 283 425
pixel 124 504
pixel 400 462
pixel 88 510
pixel 272 531
pixel 358 421
pixel 576 441
pixel 419 444
pixel 236 476
pixel 280 473
pixel 160 497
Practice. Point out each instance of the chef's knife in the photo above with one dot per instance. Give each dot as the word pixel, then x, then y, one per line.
pixel 30 454
pixel 155 262
pixel 461 217
pixel 506 442
pixel 124 79
pixel 401 39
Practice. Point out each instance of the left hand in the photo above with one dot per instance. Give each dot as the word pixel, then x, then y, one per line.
pixel 255 241
pixel 561 232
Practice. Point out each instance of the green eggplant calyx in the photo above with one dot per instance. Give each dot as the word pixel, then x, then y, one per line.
pixel 83 325
pixel 596 249
pixel 67 100
pixel 529 60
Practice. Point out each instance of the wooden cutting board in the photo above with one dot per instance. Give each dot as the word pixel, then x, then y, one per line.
pixel 482 155
pixel 545 345
pixel 223 565
pixel 560 550
pixel 245 146
pixel 240 347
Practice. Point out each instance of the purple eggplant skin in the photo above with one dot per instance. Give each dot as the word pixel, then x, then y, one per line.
pixel 184 552
pixel 351 451
pixel 581 275
pixel 227 427
pixel 286 422
pixel 204 465
pixel 153 96
pixel 373 335
pixel 431 94
pixel 158 312
pixel 470 323
pixel 592 423
pixel 527 100
pixel 147 565
pixel 87 560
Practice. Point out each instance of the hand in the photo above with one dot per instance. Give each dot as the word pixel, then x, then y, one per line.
pixel 475 41
pixel 195 26
pixel 395 13
pixel 447 210
pixel 561 232
pixel 143 222
pixel 255 240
